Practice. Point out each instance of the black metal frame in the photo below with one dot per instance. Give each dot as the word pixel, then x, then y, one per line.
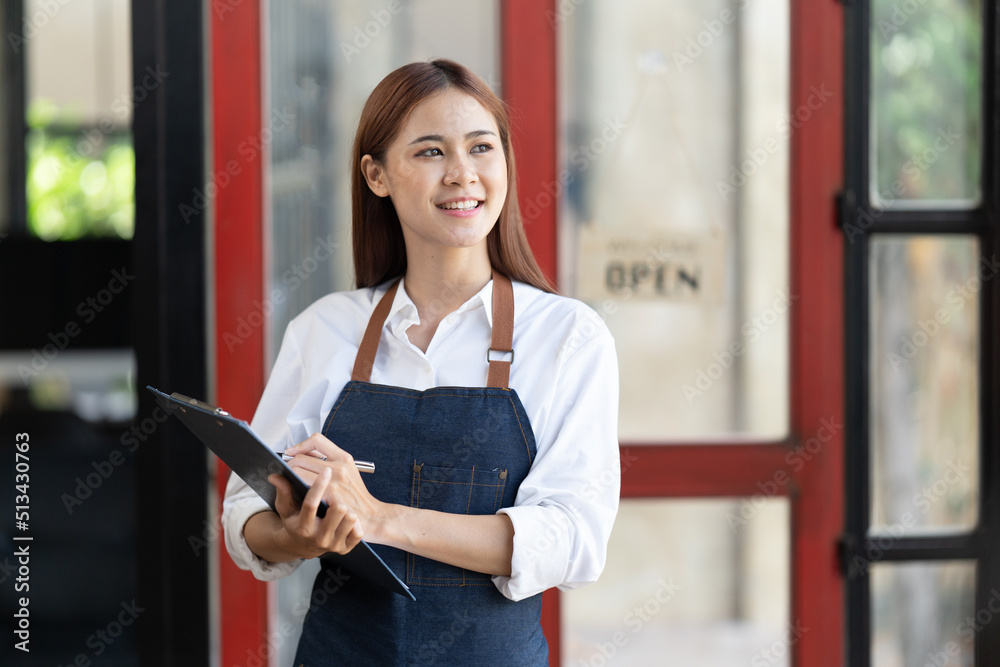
pixel 169 325
pixel 167 312
pixel 980 544
pixel 14 126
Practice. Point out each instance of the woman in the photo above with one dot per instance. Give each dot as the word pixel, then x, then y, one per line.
pixel 488 406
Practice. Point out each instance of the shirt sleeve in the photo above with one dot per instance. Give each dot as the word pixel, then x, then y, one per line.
pixel 566 506
pixel 271 426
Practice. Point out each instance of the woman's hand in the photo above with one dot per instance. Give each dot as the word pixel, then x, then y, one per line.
pixel 302 532
pixel 333 477
pixel 481 543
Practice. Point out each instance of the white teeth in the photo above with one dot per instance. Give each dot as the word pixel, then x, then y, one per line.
pixel 467 205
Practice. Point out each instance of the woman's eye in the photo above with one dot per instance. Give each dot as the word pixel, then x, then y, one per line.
pixel 430 152
pixel 482 148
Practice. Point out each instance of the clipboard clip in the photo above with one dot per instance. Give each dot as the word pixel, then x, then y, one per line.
pixel 199 404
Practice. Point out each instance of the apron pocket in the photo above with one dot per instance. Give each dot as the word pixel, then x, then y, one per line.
pixel 455 491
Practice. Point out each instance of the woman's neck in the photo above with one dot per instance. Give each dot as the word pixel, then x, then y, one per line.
pixel 439 285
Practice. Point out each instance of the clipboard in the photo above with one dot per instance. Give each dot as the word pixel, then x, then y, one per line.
pixel 239 448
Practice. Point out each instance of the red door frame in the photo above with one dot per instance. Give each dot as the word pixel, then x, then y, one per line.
pixel 530 73
pixel 235 28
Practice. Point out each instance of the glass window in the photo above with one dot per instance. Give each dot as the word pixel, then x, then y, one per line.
pixel 710 587
pixel 924 381
pixel 926 97
pixel 674 206
pixel 80 161
pixel 924 613
pixel 324 59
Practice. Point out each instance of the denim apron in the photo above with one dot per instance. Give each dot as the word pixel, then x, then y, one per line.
pixel 462 450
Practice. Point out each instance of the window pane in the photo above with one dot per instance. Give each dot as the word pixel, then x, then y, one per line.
pixel 925 96
pixel 925 381
pixel 923 614
pixel 674 206
pixel 80 161
pixel 688 582
pixel 324 60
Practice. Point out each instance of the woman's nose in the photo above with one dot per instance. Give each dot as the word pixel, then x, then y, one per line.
pixel 460 172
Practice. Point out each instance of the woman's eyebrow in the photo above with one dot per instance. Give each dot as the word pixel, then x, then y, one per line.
pixel 475 134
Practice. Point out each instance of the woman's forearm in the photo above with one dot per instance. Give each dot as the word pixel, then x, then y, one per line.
pixel 479 543
pixel 260 531
pixel 483 543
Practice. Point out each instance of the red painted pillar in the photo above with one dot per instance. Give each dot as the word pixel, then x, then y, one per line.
pixel 528 38
pixel 235 187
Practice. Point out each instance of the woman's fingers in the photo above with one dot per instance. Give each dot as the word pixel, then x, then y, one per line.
pixel 338 530
pixel 318 445
pixel 283 503
pixel 310 504
pixel 308 465
pixel 307 476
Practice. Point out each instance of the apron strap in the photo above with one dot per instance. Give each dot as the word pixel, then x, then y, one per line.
pixel 502 341
pixel 501 352
pixel 369 344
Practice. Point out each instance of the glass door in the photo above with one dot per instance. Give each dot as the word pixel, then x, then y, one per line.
pixel 698 156
pixel 678 164
pixel 921 253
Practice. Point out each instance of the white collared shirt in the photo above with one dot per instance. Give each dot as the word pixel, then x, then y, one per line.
pixel 565 372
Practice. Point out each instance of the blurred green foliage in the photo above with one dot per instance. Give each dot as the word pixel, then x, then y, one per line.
pixel 926 99
pixel 80 180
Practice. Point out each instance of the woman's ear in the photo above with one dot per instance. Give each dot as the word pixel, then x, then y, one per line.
pixel 375 176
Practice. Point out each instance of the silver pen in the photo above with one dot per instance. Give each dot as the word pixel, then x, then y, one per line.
pixel 362 466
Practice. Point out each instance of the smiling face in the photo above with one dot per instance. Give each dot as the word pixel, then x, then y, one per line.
pixel 446 175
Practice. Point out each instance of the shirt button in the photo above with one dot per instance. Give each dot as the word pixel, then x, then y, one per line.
pixel 428 369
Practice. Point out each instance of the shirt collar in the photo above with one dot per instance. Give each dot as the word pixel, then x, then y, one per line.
pixel 403 312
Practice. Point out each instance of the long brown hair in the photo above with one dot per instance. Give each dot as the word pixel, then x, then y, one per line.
pixel 379 251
